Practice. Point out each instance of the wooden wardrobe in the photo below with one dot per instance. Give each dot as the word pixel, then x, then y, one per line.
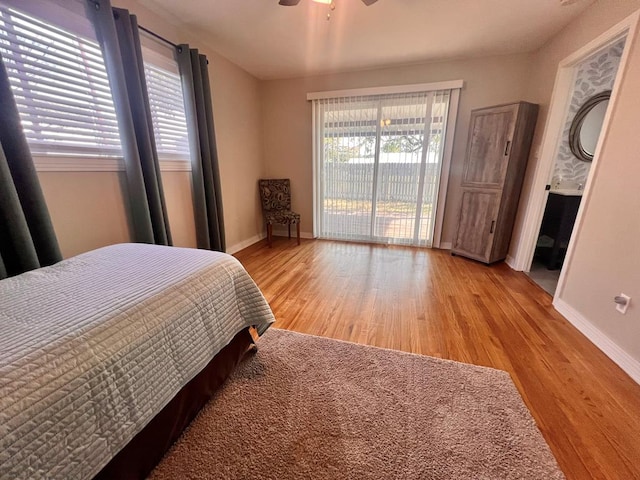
pixel 496 159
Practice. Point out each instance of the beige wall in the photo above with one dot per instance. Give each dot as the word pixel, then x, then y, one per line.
pixel 606 259
pixel 287 116
pixel 236 103
pixel 177 195
pixel 88 208
pixel 544 65
pixel 237 116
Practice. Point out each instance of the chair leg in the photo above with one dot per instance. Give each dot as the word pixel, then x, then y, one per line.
pixel 289 225
pixel 269 233
pixel 298 232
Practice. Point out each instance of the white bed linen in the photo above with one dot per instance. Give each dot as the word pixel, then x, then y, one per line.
pixel 92 348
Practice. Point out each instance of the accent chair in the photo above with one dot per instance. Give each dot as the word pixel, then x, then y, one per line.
pixel 276 205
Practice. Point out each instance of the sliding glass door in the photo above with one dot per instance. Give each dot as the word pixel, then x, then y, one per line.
pixel 379 161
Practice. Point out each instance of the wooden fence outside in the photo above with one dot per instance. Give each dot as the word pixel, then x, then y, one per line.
pixel 398 181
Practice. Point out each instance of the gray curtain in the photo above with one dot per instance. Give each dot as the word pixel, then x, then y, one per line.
pixel 119 39
pixel 207 194
pixel 27 239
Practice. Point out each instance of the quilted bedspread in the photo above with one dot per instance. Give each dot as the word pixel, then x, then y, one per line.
pixel 92 348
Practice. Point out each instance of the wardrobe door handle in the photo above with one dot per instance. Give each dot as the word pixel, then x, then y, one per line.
pixel 507 148
pixel 493 226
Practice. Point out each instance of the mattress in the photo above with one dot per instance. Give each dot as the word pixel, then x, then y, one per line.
pixel 92 348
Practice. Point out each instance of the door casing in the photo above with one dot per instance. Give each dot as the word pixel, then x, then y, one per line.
pixel 560 98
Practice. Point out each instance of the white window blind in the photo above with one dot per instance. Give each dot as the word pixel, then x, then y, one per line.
pixel 167 112
pixel 60 84
pixel 378 166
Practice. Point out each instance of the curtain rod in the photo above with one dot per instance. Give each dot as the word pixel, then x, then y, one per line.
pixel 162 39
pixel 159 37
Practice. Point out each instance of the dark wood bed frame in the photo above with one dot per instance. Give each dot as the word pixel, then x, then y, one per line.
pixel 146 449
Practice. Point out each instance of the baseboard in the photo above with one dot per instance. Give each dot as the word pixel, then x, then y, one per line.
pixel 445 246
pixel 511 261
pixel 245 243
pixel 625 361
pixel 283 232
pixel 256 238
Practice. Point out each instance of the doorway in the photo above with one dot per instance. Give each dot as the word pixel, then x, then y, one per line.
pixel 379 161
pixel 594 78
pixel 553 135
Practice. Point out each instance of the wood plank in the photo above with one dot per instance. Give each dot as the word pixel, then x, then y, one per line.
pixel 428 302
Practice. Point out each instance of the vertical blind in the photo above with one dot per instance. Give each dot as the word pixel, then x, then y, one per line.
pixel 61 88
pixel 378 165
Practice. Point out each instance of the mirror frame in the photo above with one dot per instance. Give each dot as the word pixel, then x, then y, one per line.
pixel 576 126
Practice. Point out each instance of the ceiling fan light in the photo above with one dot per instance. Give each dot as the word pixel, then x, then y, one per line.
pixel 326 2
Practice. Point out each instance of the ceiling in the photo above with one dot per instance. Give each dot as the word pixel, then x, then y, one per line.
pixel 272 41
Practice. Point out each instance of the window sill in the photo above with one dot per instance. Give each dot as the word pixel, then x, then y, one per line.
pixel 71 164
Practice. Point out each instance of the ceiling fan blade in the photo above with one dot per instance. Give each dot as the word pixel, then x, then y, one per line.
pixel 289 3
pixel 369 2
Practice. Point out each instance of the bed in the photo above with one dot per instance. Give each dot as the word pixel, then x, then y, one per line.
pixel 105 357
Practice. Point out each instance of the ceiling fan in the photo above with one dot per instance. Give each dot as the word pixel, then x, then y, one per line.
pixel 291 3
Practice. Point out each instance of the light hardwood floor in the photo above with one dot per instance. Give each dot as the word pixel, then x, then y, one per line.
pixel 428 302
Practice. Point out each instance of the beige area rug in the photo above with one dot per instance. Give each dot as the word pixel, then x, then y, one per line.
pixel 306 407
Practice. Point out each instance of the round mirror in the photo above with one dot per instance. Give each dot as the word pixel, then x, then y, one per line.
pixel 586 126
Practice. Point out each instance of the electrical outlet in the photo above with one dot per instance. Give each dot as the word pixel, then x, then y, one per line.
pixel 622 303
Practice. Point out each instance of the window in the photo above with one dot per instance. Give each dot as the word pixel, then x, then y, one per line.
pixel 167 112
pixel 61 88
pixel 378 164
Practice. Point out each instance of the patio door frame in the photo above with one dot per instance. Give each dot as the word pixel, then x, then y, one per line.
pixel 441 194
